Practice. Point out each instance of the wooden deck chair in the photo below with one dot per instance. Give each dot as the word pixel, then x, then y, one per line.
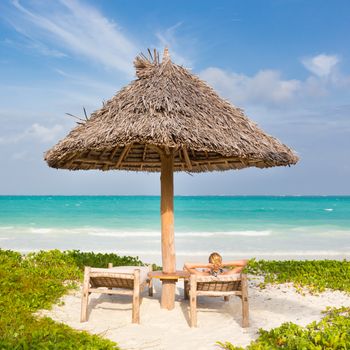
pixel 222 285
pixel 129 280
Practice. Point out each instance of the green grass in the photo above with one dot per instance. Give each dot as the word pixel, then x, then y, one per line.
pixel 37 281
pixel 314 275
pixel 331 333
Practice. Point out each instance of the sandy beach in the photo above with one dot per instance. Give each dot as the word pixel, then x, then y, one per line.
pixel 110 316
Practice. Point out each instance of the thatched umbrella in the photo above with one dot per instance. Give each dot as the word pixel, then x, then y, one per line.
pixel 167 120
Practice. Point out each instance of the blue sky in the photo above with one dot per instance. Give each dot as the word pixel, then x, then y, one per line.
pixel 286 63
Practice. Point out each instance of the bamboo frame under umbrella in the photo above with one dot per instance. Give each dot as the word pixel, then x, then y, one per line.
pixel 164 121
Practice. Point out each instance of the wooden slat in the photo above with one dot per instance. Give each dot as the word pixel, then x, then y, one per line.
pixel 110 291
pixel 218 294
pixel 111 275
pixel 163 275
pixel 220 278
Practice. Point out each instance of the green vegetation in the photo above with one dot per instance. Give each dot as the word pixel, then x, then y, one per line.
pixel 331 333
pixel 315 275
pixel 82 259
pixel 36 281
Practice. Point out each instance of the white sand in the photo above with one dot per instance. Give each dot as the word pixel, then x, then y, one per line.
pixel 110 316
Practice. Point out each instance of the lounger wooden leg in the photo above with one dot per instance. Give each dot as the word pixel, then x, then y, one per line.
pixel 226 298
pixel 110 265
pixel 136 298
pixel 85 294
pixel 193 301
pixel 186 295
pixel 150 283
pixel 150 288
pixel 245 304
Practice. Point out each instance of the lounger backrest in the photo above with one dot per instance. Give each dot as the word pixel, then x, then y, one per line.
pixel 110 279
pixel 219 286
pixel 223 283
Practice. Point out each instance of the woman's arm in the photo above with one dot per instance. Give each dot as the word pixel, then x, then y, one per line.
pixel 197 266
pixel 235 263
pixel 238 266
pixel 191 268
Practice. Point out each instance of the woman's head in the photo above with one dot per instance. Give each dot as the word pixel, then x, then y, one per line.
pixel 215 258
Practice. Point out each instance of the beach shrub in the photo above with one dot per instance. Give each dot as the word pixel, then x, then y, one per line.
pixel 331 333
pixel 315 275
pixel 32 282
pixel 82 259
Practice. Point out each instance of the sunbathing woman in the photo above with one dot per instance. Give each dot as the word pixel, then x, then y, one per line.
pixel 216 266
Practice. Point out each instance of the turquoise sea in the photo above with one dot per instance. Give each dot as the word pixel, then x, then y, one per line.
pixel 237 227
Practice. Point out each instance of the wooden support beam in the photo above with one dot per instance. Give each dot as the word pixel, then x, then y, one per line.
pixel 187 158
pixel 102 154
pixel 144 153
pixel 167 225
pixel 156 148
pixel 114 152
pixel 123 155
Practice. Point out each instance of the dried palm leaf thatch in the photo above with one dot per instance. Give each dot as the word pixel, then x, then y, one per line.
pixel 167 107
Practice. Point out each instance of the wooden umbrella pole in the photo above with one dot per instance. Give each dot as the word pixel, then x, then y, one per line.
pixel 167 225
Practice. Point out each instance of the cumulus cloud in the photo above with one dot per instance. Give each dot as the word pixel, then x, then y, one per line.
pixel 321 65
pixel 176 44
pixel 267 86
pixel 36 132
pixel 96 37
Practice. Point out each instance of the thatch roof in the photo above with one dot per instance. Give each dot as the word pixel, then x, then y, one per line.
pixel 168 107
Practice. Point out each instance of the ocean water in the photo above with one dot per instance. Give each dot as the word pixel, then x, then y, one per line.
pixel 237 227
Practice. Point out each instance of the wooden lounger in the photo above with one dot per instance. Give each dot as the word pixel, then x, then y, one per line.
pixel 222 285
pixel 130 280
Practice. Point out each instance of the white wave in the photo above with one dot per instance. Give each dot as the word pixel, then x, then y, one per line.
pixel 6 227
pixel 179 234
pixel 40 230
pixel 328 209
pixel 125 234
pixel 224 233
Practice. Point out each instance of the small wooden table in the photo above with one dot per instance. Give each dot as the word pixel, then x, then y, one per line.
pixel 168 278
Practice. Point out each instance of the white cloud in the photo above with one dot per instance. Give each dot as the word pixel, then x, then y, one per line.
pixel 169 38
pixel 80 29
pixel 267 86
pixel 321 65
pixel 34 132
pixel 43 133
